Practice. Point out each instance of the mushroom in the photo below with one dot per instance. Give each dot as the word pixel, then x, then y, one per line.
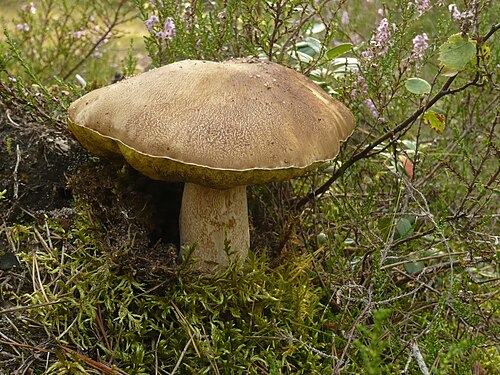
pixel 217 126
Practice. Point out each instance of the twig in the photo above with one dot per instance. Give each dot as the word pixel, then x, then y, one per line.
pixel 23 308
pixel 437 256
pixel 36 277
pixel 16 179
pixel 287 336
pixel 156 352
pixel 100 324
pixel 114 23
pixel 44 243
pixel 365 152
pixel 359 319
pixel 179 361
pixel 188 325
pixel 27 346
pixel 103 367
pixel 415 351
pixel 209 357
pixel 7 113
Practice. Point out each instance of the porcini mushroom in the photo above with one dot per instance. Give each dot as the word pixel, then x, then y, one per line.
pixel 218 127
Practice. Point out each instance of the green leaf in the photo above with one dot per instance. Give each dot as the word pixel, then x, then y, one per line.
pixel 321 238
pixel 414 267
pixel 403 228
pixel 418 86
pixel 456 53
pixel 327 167
pixel 338 50
pixel 318 28
pixel 301 56
pixel 435 120
pixel 310 46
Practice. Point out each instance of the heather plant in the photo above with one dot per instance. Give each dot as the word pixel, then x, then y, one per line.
pixel 60 39
pixel 383 261
pixel 278 31
pixel 53 49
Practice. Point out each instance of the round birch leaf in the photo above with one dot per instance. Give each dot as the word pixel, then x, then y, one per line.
pixel 414 267
pixel 418 86
pixel 404 228
pixel 457 52
pixel 435 120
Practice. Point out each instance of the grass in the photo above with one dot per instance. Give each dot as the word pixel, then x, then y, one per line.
pixel 380 272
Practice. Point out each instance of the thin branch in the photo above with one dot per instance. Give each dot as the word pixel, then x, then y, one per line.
pixel 114 23
pixel 23 308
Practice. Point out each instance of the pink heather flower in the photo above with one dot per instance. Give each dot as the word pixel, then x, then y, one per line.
pixel 371 106
pixel 455 13
pixel 344 20
pixel 419 46
pixel 422 6
pixel 169 28
pixel 380 40
pixel 150 22
pixel 367 54
pixel 168 31
pixel 360 88
pixel 23 27
pixel 32 8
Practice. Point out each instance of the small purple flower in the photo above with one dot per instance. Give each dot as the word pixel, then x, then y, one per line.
pixel 419 46
pixel 32 8
pixel 380 40
pixel 169 27
pixel 150 22
pixel 367 54
pixel 422 6
pixel 78 34
pixel 371 106
pixel 360 88
pixel 168 31
pixel 455 13
pixel 23 27
pixel 344 20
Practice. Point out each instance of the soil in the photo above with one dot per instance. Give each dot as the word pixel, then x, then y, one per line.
pixel 46 173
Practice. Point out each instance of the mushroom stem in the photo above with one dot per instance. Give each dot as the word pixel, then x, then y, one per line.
pixel 208 218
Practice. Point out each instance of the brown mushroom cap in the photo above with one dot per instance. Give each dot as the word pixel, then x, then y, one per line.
pixel 216 124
